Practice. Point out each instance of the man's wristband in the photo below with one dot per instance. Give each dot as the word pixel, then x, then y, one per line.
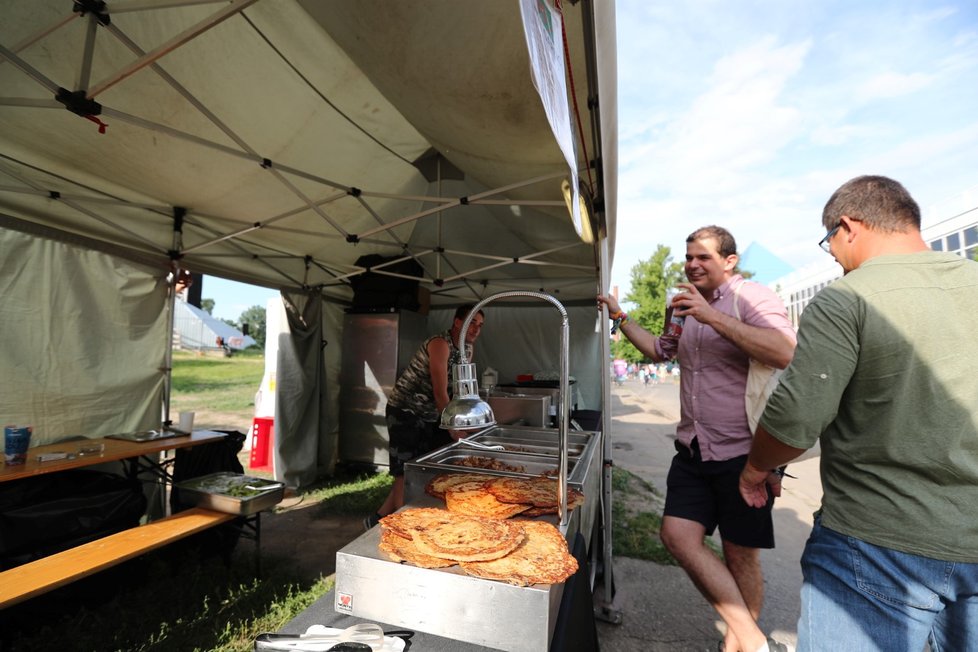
pixel 618 320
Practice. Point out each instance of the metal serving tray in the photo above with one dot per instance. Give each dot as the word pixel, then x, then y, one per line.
pixel 232 493
pixel 583 472
pixel 445 601
pixel 452 456
pixel 545 436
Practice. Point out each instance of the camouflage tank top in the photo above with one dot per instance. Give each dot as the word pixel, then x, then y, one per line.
pixel 412 391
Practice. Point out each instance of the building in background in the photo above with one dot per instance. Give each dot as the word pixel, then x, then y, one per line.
pixel 957 233
pixel 195 330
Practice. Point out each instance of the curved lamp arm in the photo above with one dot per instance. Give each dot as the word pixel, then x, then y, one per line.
pixel 472 385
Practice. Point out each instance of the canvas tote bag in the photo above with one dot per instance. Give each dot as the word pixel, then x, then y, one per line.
pixel 761 379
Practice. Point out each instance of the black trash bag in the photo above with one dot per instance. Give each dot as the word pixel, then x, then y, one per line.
pixel 42 515
pixel 204 459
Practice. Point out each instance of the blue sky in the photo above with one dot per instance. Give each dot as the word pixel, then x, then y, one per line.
pixel 749 114
pixel 231 298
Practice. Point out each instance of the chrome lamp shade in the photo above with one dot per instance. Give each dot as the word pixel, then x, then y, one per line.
pixel 466 411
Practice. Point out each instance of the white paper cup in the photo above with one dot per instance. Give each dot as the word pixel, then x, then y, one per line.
pixel 186 421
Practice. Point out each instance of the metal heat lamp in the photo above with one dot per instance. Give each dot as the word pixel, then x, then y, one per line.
pixel 467 411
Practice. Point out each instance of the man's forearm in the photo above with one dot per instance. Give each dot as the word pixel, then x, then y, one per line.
pixel 643 340
pixel 767 345
pixel 768 453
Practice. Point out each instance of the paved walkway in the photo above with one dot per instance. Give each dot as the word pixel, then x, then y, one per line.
pixel 661 610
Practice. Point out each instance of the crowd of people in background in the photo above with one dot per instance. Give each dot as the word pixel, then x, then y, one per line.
pixel 646 373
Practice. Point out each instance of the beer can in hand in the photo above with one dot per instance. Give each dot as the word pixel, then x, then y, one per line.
pixel 674 323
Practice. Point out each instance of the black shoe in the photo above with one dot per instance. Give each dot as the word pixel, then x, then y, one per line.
pixel 371 521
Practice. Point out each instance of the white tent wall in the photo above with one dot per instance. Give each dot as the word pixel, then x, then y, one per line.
pixel 84 339
pixel 275 142
pixel 519 337
pixel 536 348
pixel 301 395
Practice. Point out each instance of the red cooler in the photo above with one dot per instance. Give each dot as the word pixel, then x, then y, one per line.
pixel 262 433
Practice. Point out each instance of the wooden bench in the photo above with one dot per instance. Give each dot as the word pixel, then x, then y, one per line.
pixel 48 573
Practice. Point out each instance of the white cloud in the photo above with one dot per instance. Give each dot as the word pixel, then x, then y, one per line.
pixel 751 116
pixel 889 85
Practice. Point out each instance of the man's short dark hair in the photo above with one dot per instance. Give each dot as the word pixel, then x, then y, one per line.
pixel 726 245
pixel 878 202
pixel 462 311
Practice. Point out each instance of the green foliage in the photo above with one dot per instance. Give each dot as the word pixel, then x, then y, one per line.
pixel 651 279
pixel 255 318
pixel 207 305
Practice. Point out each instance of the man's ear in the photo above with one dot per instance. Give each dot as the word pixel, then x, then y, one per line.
pixel 731 262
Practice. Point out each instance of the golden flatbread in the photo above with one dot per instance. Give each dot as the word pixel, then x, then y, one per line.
pixel 574 500
pixel 437 485
pixel 468 538
pixel 538 491
pixel 401 549
pixel 473 499
pixel 403 522
pixel 542 558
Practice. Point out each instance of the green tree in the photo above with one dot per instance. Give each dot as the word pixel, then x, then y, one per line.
pixel 651 280
pixel 255 318
pixel 207 305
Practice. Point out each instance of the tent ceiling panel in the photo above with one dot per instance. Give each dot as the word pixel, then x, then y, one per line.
pixel 473 100
pixel 341 99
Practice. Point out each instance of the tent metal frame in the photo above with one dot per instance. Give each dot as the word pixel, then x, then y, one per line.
pixel 278 170
pixel 382 235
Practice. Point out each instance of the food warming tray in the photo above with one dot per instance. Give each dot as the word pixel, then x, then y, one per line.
pixel 446 601
pixel 232 493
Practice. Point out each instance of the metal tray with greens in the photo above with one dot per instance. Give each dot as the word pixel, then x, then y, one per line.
pixel 232 493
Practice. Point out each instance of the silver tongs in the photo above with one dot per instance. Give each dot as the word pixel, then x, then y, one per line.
pixel 481 446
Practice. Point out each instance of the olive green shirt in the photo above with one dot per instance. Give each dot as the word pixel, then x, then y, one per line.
pixel 886 374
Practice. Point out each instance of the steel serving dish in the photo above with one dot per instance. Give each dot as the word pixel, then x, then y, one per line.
pixel 232 493
pixel 445 601
pixel 583 468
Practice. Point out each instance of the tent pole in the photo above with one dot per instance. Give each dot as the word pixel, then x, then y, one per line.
pixel 605 611
pixel 171 305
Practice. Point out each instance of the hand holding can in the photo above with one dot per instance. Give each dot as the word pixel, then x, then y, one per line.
pixel 674 323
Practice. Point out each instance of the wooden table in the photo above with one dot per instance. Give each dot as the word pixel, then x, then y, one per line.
pixel 113 450
pixel 41 575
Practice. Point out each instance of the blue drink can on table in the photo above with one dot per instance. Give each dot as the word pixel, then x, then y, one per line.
pixel 16 441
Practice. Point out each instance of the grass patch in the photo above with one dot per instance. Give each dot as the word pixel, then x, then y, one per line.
pixel 222 384
pixel 637 508
pixel 348 492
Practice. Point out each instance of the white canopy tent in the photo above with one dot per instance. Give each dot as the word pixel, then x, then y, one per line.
pixel 276 142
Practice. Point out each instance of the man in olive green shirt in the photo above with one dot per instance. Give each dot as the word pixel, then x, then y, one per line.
pixel 885 375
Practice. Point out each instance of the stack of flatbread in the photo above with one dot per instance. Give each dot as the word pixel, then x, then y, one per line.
pixel 516 551
pixel 499 497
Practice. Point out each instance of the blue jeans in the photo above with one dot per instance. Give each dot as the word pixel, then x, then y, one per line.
pixel 864 598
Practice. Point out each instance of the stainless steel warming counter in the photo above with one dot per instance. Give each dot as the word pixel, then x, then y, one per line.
pixel 447 602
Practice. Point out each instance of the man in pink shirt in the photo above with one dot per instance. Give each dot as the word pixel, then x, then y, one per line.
pixel 713 437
